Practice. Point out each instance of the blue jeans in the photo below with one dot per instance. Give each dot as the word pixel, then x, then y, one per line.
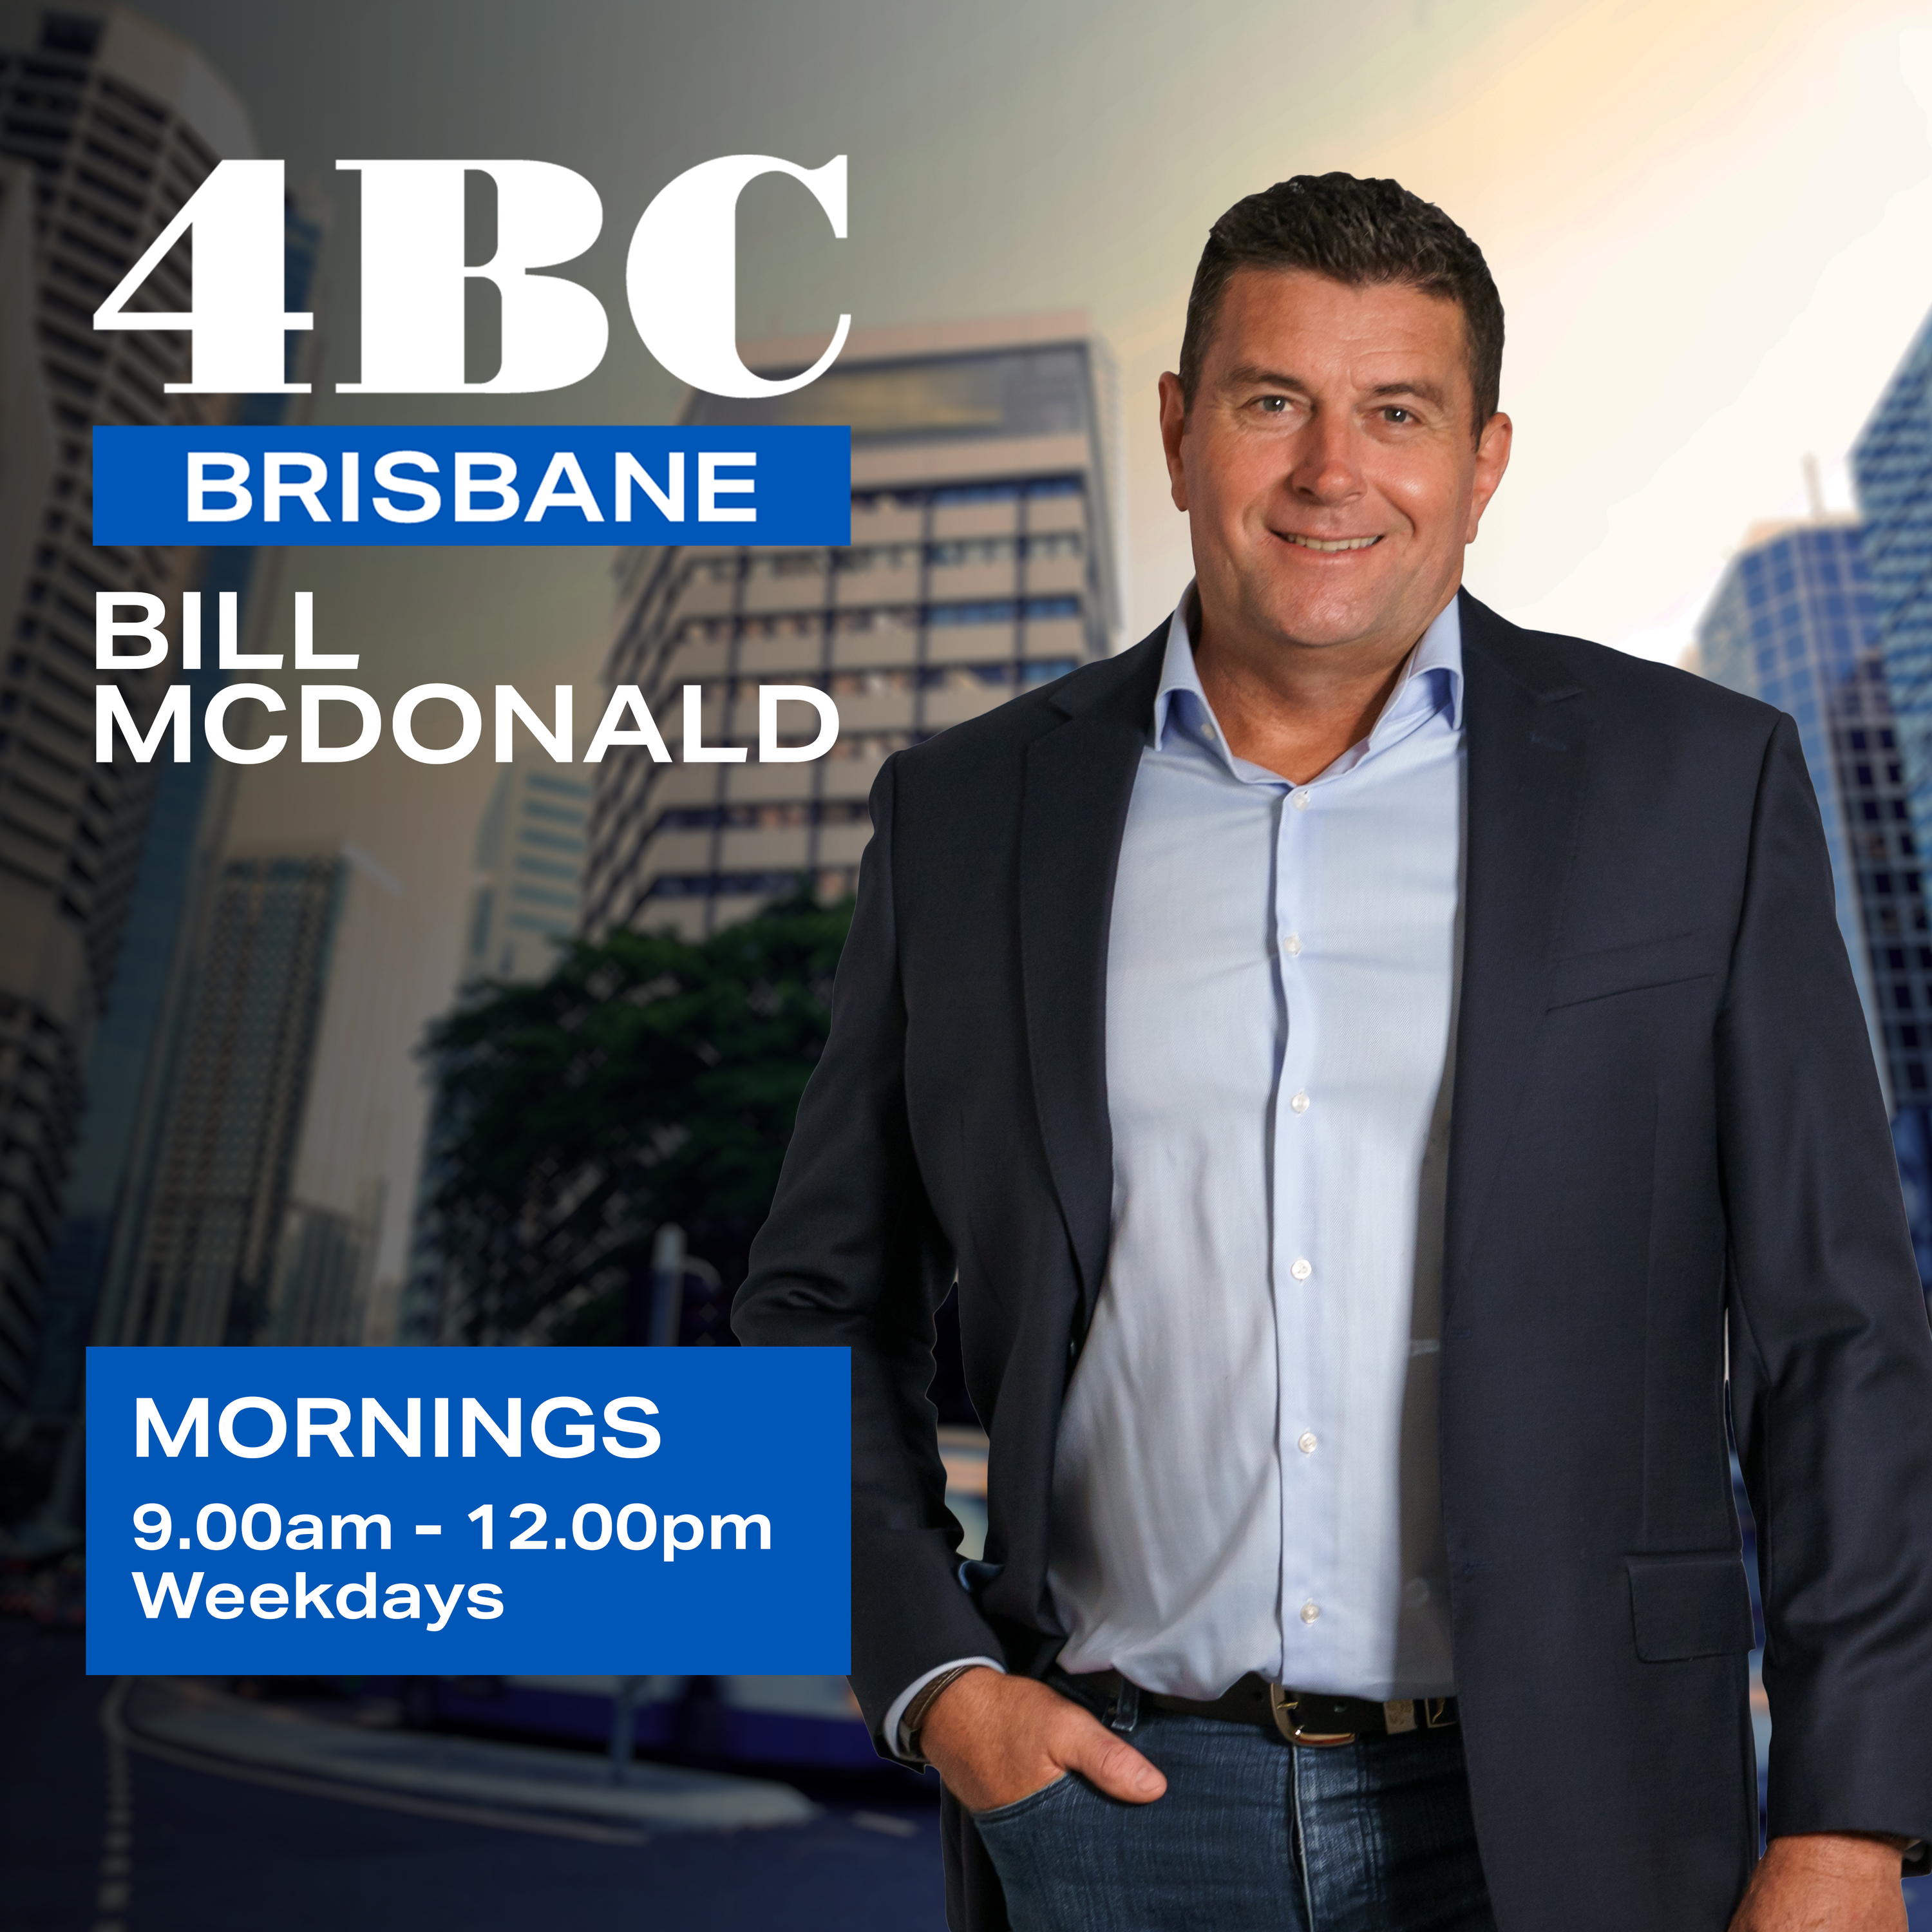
pixel 1252 1833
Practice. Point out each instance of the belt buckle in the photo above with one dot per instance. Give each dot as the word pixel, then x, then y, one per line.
pixel 1282 1703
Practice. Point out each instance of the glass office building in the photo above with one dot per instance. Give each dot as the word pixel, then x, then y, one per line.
pixel 529 873
pixel 1892 462
pixel 1793 623
pixel 982 563
pixel 267 1204
pixel 523 904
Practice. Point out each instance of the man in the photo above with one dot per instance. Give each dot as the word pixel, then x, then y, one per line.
pixel 1373 1071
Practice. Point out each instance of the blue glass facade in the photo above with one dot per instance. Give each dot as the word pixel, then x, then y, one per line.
pixel 1892 463
pixel 1793 623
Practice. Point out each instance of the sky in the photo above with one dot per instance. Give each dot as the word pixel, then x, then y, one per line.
pixel 1708 222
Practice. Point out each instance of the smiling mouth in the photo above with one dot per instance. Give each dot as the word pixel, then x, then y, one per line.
pixel 1327 546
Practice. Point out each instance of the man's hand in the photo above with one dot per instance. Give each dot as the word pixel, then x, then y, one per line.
pixel 995 1740
pixel 1825 1881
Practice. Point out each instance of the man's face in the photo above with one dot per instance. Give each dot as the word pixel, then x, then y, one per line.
pixel 1328 467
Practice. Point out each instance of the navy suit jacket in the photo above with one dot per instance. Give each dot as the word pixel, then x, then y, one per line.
pixel 1667 1131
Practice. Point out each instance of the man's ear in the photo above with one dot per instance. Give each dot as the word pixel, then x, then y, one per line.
pixel 1493 456
pixel 1173 428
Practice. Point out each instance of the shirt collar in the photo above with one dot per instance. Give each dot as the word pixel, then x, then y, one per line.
pixel 1432 681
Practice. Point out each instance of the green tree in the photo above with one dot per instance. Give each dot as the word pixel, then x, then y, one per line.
pixel 648 1079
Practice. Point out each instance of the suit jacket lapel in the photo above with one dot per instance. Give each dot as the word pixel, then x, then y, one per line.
pixel 1527 727
pixel 1079 778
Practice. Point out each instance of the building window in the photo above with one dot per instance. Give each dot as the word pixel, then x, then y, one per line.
pixel 870 683
pixel 976 492
pixel 870 745
pixel 712 885
pixel 996 611
pixel 1044 670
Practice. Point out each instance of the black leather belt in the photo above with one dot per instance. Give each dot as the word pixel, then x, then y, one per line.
pixel 1302 1716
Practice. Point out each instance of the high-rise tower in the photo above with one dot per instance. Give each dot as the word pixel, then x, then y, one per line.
pixel 268 1206
pixel 1892 462
pixel 1793 623
pixel 982 562
pixel 120 123
pixel 529 873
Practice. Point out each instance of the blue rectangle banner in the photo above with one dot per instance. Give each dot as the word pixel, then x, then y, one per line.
pixel 490 484
pixel 322 1511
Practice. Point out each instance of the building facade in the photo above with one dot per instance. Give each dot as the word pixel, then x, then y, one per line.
pixel 530 847
pixel 136 1046
pixel 1794 622
pixel 26 422
pixel 982 562
pixel 529 891
pixel 1891 463
pixel 267 1205
pixel 118 123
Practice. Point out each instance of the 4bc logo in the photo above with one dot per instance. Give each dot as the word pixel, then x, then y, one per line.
pixel 680 278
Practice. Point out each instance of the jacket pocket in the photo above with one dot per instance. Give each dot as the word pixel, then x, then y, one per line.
pixel 1694 1606
pixel 1630 969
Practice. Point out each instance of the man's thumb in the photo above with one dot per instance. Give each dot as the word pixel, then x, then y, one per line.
pixel 1113 1764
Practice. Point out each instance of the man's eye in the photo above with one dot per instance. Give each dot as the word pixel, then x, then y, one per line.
pixel 1272 405
pixel 1396 413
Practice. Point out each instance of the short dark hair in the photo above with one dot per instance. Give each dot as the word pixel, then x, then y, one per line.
pixel 1360 233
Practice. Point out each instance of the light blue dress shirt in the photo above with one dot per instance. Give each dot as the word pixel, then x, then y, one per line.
pixel 1246 1477
pixel 1246 1474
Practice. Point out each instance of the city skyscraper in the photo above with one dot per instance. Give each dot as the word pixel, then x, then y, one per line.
pixel 137 1044
pixel 1793 623
pixel 1891 463
pixel 982 562
pixel 267 1206
pixel 118 123
pixel 530 872
pixel 530 846
pixel 26 423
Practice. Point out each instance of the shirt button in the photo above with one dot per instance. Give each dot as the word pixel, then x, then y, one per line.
pixel 1208 732
pixel 1309 1611
pixel 1291 945
pixel 1299 800
pixel 1302 1269
pixel 1299 1103
pixel 1305 1442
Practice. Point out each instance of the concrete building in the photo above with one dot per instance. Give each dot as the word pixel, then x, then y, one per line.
pixel 982 562
pixel 529 873
pixel 1793 623
pixel 119 124
pixel 26 422
pixel 136 1046
pixel 268 1203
